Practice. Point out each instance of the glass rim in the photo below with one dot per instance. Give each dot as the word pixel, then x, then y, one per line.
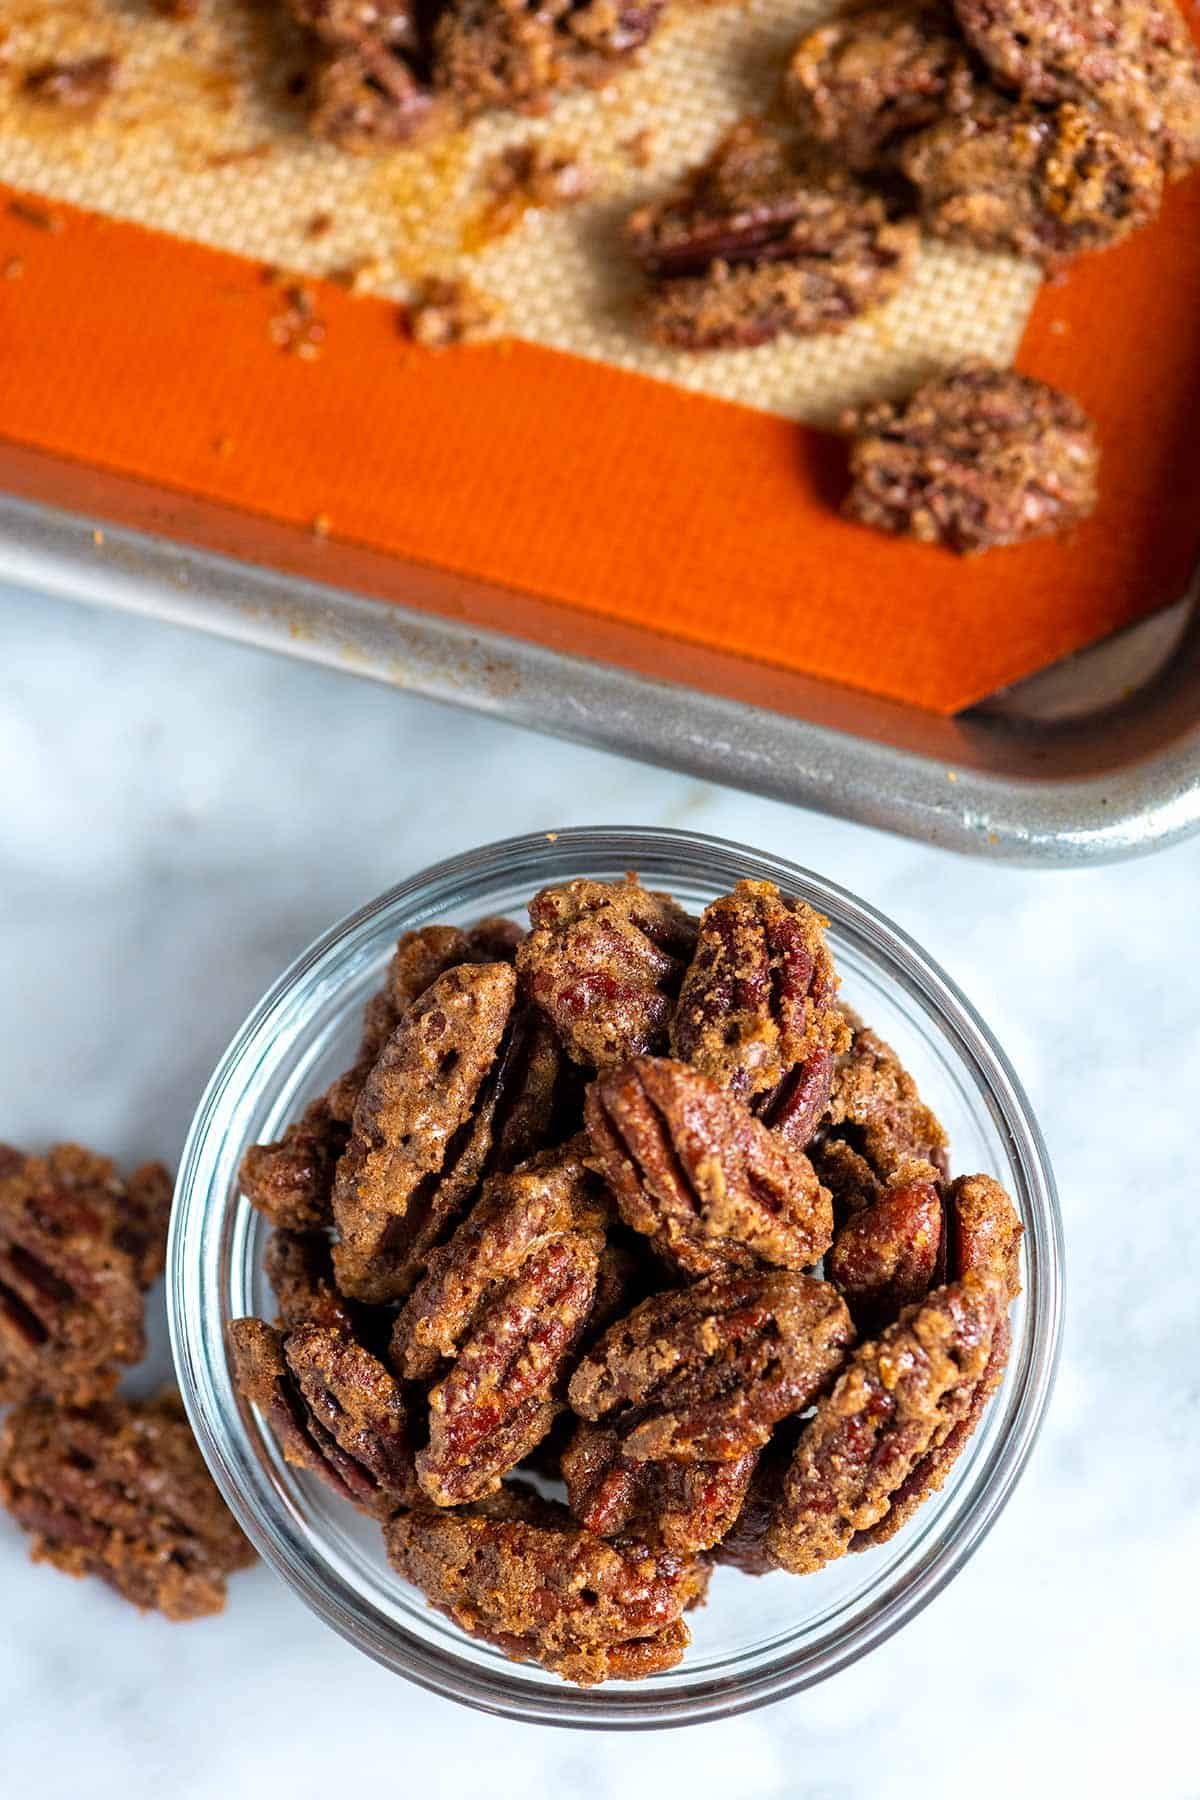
pixel 199 1224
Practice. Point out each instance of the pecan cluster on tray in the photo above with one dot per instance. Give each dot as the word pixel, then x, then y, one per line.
pixel 625 1210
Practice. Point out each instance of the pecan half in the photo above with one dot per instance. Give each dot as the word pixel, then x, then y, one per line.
pixel 419 1143
pixel 519 1573
pixel 291 1181
pixel 756 1010
pixel 900 1395
pixel 876 1109
pixel 886 1255
pixel 417 961
pixel 503 1392
pixel 985 1232
pixel 751 246
pixel 517 1215
pixel 683 1394
pixel 119 1490
pixel 1047 183
pixel 707 1372
pixel 75 1252
pixel 333 1407
pixel 758 997
pixel 604 961
pixel 1134 64
pixel 696 1173
pixel 744 1545
pixel 984 1241
pixel 975 458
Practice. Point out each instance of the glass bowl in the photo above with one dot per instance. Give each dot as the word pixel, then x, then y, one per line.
pixel 757 1639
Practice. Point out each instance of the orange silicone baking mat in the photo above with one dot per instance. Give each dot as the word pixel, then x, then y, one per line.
pixel 608 490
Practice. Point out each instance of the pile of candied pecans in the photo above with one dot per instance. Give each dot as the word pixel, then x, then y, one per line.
pixel 106 1487
pixel 561 1222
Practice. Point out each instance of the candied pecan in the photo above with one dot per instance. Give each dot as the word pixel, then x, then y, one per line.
pixel 518 1573
pixel 750 247
pixel 682 1507
pixel 372 85
pixel 419 1143
pixel 291 1181
pixel 1133 60
pixel 876 1109
pixel 682 1395
pixel 706 1372
pixel 510 53
pixel 503 1391
pixel 517 1215
pixel 866 78
pixel 119 1490
pixel 415 964
pixel 75 1252
pixel 885 1256
pixel 604 960
pixel 900 1395
pixel 694 1171
pixel 417 961
pixel 299 1267
pixel 757 1002
pixel 984 1231
pixel 984 1241
pixel 1047 185
pixel 145 1213
pixel 333 1407
pixel 976 458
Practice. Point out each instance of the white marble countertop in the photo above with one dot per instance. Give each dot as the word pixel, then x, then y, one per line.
pixel 178 817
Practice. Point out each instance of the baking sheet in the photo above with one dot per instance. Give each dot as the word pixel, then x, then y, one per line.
pixel 201 140
pixel 1094 761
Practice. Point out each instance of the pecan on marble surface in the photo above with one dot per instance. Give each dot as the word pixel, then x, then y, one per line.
pixel 119 1490
pixel 77 1247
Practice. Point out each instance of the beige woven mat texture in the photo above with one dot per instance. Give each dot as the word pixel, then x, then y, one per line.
pixel 200 139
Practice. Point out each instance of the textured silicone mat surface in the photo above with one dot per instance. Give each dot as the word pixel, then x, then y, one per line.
pixel 201 139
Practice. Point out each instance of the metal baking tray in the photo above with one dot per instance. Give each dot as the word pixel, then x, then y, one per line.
pixel 1090 761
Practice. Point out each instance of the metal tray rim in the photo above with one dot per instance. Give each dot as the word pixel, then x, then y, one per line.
pixel 1035 820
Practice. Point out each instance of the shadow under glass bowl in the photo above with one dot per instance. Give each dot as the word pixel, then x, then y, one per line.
pixel 756 1640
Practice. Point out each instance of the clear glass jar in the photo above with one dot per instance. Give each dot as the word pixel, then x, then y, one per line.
pixel 757 1639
